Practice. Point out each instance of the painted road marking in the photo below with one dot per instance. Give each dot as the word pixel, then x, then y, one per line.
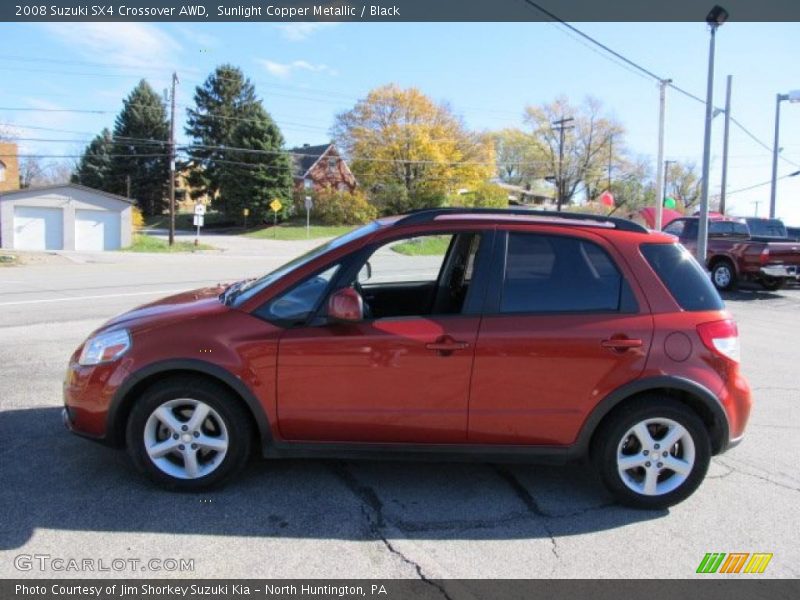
pixel 76 298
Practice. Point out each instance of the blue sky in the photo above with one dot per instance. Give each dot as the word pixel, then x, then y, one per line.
pixel 488 72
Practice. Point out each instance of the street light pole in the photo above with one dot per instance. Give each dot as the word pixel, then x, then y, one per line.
pixel 715 18
pixel 793 96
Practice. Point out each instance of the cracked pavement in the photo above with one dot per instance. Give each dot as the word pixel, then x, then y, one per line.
pixel 67 497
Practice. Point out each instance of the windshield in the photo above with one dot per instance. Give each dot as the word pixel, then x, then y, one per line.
pixel 250 288
pixel 767 228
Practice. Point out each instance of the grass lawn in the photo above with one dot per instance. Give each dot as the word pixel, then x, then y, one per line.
pixel 432 245
pixel 146 243
pixel 298 232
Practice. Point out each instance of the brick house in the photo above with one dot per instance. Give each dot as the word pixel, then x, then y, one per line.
pixel 318 167
pixel 9 167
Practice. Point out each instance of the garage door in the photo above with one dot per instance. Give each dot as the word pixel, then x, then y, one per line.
pixel 38 228
pixel 96 230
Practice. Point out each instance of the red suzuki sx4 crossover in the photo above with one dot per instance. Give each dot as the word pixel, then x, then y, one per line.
pixel 491 334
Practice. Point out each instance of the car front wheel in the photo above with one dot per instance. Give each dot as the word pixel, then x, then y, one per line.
pixel 653 453
pixel 188 434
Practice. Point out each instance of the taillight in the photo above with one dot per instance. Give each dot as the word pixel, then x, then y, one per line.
pixel 764 256
pixel 721 337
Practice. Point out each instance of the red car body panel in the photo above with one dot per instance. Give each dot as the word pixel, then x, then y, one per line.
pixel 510 380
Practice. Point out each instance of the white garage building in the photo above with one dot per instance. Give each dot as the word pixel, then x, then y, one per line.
pixel 64 217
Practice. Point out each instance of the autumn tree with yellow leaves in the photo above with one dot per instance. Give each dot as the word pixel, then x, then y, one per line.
pixel 409 151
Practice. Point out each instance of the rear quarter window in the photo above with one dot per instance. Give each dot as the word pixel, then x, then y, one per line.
pixel 683 277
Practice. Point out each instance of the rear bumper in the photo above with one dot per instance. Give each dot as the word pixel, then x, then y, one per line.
pixel 787 271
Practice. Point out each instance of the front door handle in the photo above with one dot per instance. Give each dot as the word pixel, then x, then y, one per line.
pixel 621 344
pixel 446 345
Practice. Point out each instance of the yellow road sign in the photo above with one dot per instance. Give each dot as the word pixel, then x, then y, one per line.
pixel 275 205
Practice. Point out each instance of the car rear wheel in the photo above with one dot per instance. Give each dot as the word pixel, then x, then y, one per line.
pixel 724 276
pixel 652 453
pixel 188 434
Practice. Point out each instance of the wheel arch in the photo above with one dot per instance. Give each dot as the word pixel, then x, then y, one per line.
pixel 695 396
pixel 137 382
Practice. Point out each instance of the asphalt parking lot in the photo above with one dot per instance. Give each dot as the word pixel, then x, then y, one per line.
pixel 66 497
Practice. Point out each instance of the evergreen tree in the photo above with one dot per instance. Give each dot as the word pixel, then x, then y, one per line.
pixel 94 167
pixel 143 117
pixel 228 114
pixel 260 176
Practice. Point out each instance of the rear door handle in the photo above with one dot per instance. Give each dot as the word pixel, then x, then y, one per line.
pixel 446 345
pixel 621 344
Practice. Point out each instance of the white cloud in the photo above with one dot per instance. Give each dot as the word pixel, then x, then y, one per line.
pixel 284 70
pixel 134 45
pixel 299 31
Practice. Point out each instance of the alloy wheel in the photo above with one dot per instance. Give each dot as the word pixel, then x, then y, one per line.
pixel 655 456
pixel 186 438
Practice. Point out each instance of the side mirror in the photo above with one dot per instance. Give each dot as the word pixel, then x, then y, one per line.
pixel 346 305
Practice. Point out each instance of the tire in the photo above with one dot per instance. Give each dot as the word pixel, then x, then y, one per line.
pixel 645 484
pixel 772 284
pixel 723 275
pixel 191 455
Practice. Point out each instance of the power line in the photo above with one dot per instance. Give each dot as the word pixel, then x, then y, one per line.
pixel 762 184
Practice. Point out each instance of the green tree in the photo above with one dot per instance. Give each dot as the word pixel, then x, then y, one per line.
pixel 140 149
pixel 227 115
pixel 401 138
pixel 684 183
pixel 94 166
pixel 586 141
pixel 259 171
pixel 520 156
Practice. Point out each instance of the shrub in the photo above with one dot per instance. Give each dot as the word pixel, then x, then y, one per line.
pixel 336 207
pixel 485 195
pixel 137 218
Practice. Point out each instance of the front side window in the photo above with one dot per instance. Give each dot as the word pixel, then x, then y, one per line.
pixel 675 228
pixel 419 276
pixel 555 274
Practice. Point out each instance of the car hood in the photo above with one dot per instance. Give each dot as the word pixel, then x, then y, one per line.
pixel 192 304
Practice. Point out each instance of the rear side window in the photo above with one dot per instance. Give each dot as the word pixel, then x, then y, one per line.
pixel 683 276
pixel 561 274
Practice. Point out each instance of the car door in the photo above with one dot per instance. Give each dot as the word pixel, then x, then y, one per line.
pixel 563 327
pixel 402 374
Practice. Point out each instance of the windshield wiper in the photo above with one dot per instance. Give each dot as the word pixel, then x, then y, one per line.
pixel 232 291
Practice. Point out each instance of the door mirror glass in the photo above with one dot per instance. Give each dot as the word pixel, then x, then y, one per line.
pixel 346 305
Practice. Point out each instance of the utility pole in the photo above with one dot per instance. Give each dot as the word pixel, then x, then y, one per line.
pixel 667 163
pixel 662 109
pixel 756 202
pixel 172 161
pixel 610 155
pixel 561 125
pixel 725 146
pixel 128 186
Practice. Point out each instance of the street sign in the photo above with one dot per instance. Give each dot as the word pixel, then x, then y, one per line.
pixel 309 203
pixel 198 220
pixel 246 212
pixel 200 209
pixel 275 205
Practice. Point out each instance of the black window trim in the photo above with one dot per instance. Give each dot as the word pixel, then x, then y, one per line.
pixel 498 274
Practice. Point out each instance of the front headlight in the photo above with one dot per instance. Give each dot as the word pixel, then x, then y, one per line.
pixel 105 347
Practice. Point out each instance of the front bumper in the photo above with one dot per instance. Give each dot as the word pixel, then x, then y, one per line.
pixel 782 271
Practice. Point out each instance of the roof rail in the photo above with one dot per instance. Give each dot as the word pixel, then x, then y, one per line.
pixel 425 215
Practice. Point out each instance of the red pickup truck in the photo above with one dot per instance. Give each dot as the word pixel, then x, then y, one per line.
pixel 735 255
